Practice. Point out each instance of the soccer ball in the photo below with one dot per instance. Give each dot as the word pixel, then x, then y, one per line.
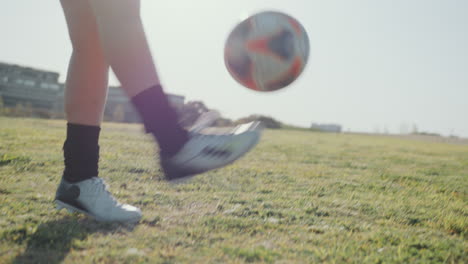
pixel 267 51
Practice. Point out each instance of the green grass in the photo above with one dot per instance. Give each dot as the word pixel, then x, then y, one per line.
pixel 299 197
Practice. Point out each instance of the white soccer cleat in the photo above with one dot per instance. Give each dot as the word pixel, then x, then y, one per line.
pixel 205 152
pixel 91 197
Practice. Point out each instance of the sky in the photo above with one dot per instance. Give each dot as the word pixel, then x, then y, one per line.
pixel 375 66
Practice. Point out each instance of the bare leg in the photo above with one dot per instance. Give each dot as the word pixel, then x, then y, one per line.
pixel 125 45
pixel 127 52
pixel 126 49
pixel 81 190
pixel 87 80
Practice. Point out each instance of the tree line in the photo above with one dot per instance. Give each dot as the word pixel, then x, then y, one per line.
pixel 188 114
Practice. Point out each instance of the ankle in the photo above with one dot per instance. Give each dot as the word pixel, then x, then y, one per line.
pixel 160 119
pixel 81 153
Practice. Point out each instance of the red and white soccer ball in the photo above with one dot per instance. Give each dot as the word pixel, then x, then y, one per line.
pixel 267 51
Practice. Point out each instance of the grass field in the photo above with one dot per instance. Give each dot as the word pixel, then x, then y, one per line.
pixel 299 197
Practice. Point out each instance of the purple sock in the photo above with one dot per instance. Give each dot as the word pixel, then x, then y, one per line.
pixel 160 119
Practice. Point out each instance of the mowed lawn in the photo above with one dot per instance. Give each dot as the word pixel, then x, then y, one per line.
pixel 299 197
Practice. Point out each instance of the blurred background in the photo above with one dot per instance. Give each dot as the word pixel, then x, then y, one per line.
pixel 393 67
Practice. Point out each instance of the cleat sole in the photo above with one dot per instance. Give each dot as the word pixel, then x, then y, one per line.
pixel 177 175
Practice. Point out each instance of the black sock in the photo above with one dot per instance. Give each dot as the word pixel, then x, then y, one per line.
pixel 81 152
pixel 160 119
